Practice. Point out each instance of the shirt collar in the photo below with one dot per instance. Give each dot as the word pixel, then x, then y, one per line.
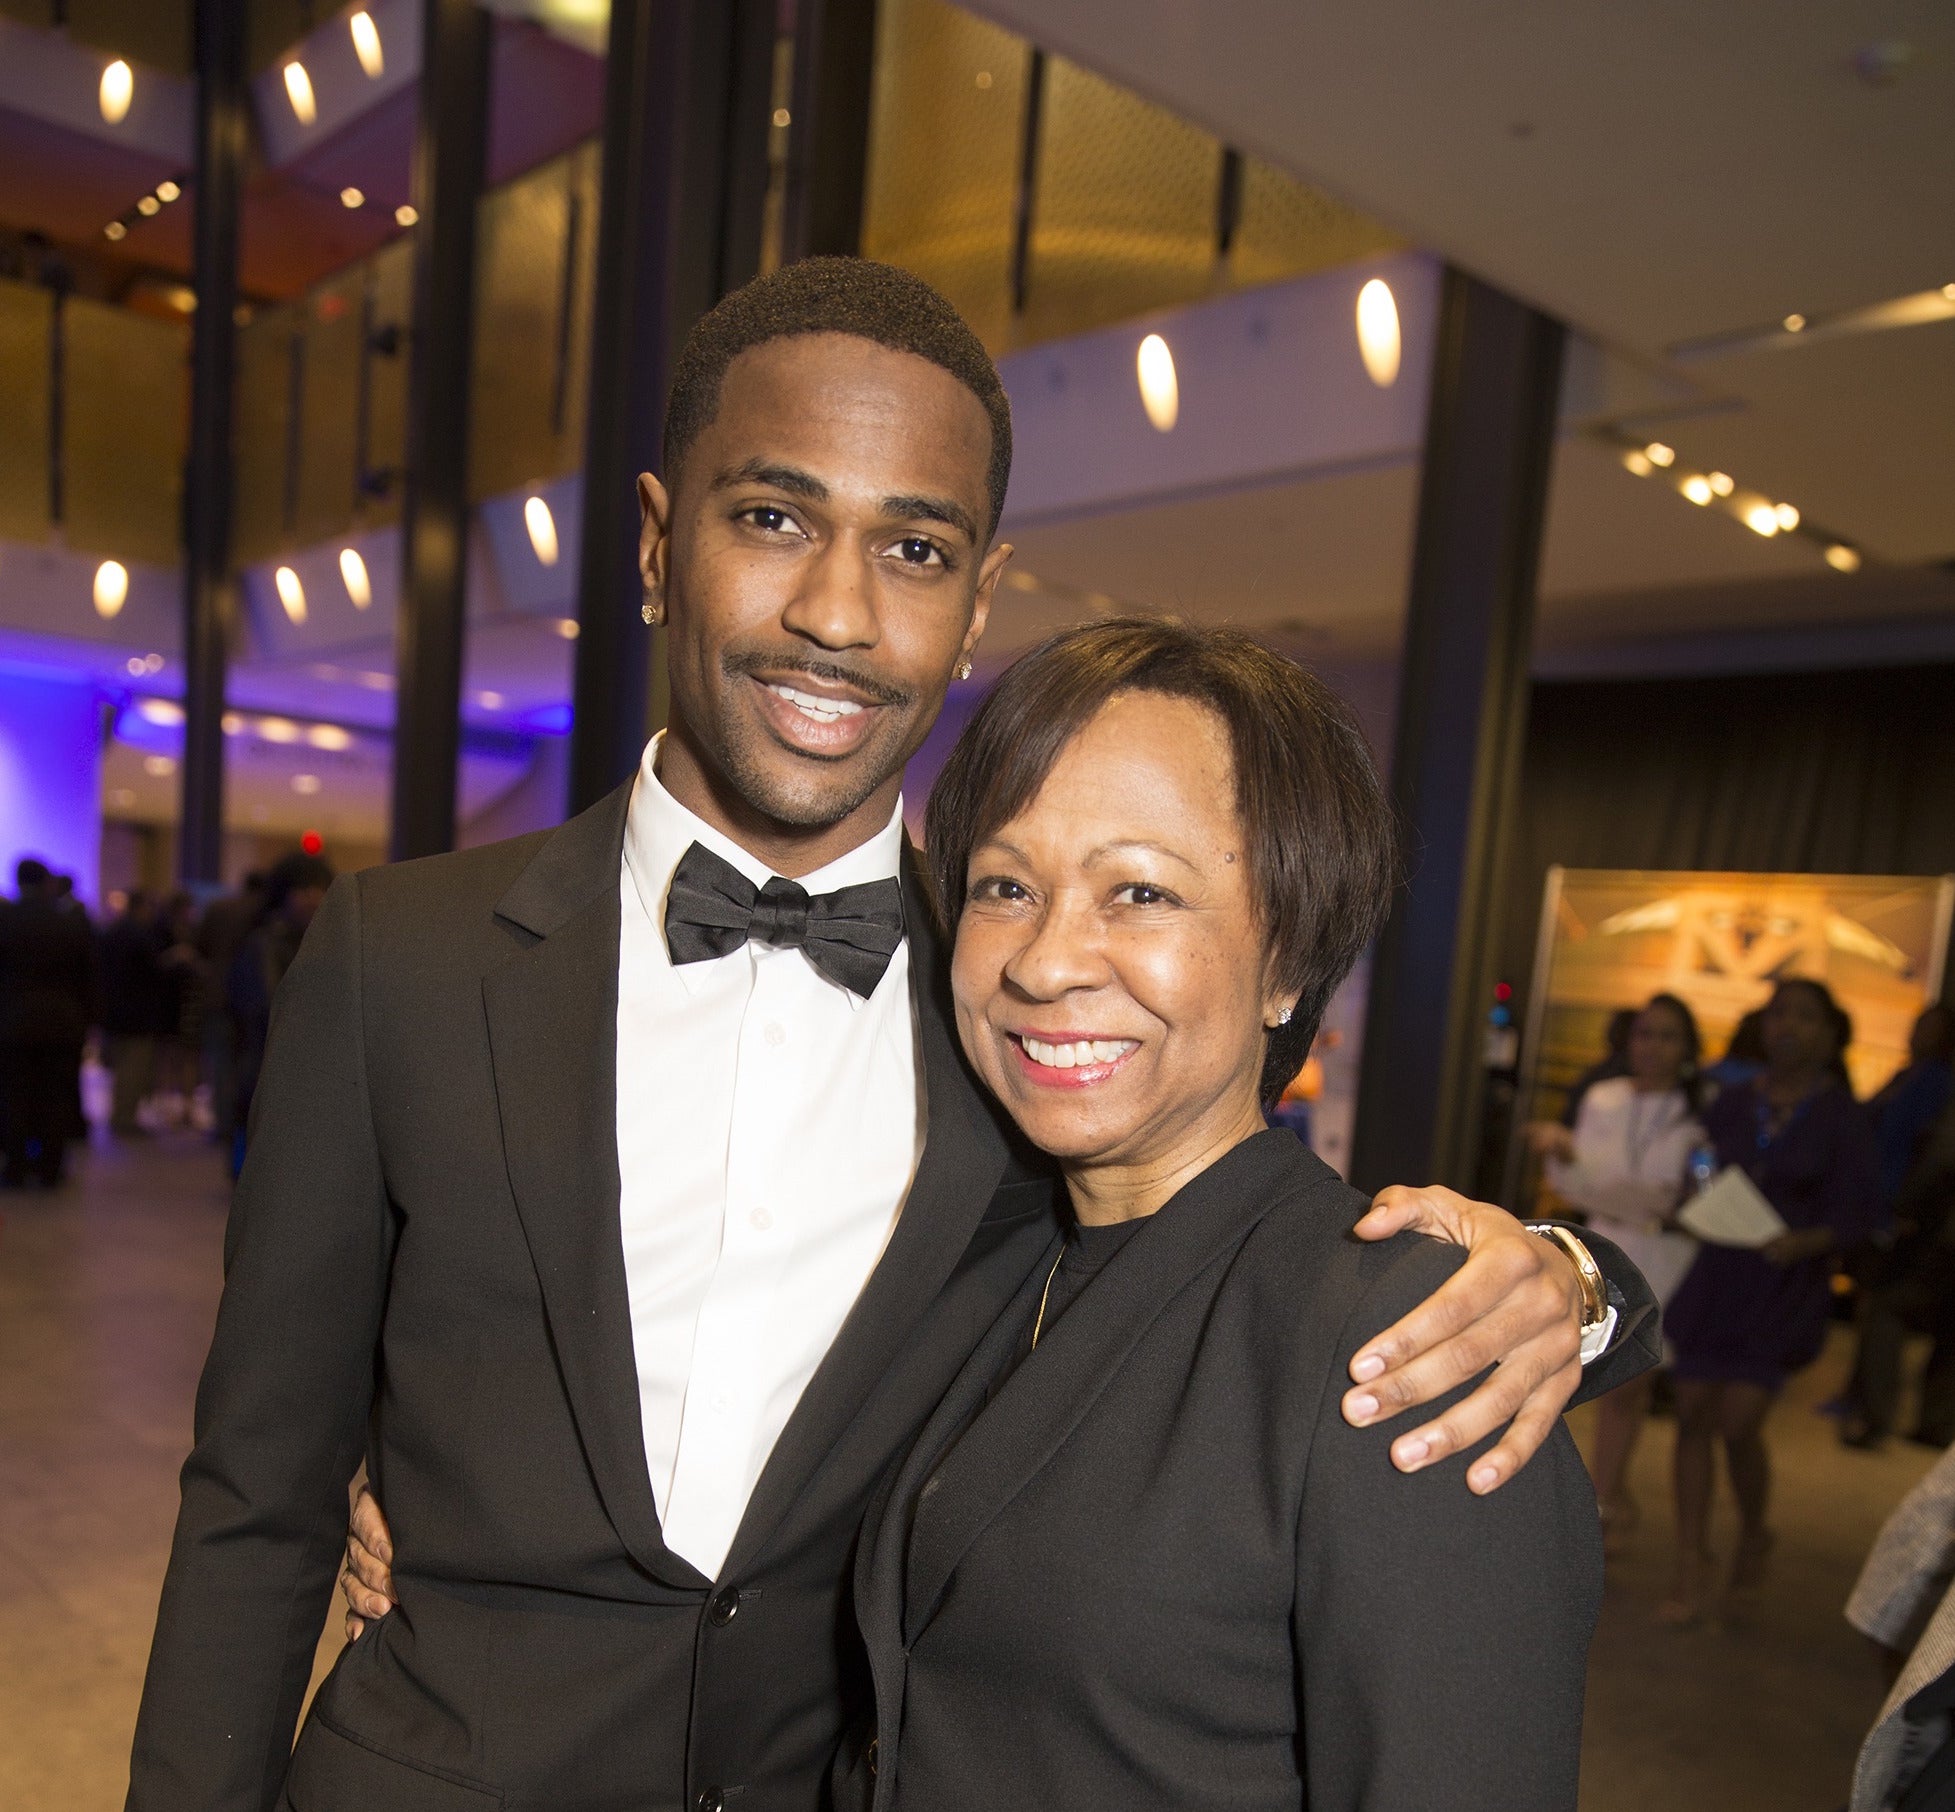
pixel 659 830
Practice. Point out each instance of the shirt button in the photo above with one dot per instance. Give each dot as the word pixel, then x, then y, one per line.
pixel 775 1034
pixel 724 1607
pixel 760 1220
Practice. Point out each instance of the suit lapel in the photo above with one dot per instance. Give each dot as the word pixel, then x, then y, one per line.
pixel 552 1016
pixel 1042 1402
pixel 964 1156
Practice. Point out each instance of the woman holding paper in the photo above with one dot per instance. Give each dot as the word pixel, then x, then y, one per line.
pixel 1623 1164
pixel 1744 1320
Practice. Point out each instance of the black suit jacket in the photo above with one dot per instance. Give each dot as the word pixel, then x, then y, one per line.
pixel 424 1268
pixel 1157 1569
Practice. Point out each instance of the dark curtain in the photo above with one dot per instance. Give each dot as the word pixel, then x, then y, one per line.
pixel 1822 773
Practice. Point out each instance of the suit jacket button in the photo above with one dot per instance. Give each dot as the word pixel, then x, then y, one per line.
pixel 724 1607
pixel 712 1800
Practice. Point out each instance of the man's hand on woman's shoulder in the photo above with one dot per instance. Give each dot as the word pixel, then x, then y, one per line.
pixel 1516 1305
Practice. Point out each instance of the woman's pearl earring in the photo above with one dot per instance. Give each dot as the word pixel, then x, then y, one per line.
pixel 963 669
pixel 650 613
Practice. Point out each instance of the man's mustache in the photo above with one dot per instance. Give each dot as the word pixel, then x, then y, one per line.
pixel 753 664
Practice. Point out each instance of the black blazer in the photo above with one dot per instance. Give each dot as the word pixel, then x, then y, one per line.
pixel 1159 1570
pixel 424 1268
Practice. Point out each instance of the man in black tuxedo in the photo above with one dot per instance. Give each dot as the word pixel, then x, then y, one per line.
pixel 627 1206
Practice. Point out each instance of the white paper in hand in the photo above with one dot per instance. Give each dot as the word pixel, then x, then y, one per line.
pixel 1729 1211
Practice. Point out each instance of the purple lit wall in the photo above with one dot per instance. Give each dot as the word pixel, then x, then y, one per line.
pixel 50 777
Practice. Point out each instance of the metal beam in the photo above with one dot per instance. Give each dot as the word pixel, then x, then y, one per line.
pixel 223 141
pixel 450 150
pixel 828 150
pixel 687 87
pixel 1461 714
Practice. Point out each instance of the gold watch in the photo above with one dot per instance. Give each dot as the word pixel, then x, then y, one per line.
pixel 1595 1292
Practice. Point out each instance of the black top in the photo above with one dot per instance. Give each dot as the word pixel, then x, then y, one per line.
pixel 1154 1568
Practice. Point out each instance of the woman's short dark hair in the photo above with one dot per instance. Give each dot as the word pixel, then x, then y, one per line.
pixel 1317 822
pixel 1838 1019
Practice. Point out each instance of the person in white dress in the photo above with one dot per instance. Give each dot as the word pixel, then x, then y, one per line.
pixel 1624 1165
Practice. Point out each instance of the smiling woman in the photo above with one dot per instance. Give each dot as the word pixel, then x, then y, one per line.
pixel 1136 1558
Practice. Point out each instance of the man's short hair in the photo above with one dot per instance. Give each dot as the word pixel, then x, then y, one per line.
pixel 856 296
pixel 29 873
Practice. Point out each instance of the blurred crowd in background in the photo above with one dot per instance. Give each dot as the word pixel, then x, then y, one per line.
pixel 170 998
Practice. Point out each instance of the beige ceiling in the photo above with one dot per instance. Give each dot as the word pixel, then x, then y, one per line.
pixel 1650 173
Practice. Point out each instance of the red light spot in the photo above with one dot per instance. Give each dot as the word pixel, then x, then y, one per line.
pixel 312 843
pixel 1501 991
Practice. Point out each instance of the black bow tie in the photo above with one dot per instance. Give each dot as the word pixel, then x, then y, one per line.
pixel 849 935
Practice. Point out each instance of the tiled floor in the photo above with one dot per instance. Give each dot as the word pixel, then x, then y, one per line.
pixel 106 1296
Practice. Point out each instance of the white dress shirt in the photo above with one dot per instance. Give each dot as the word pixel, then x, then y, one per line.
pixel 1632 1149
pixel 769 1126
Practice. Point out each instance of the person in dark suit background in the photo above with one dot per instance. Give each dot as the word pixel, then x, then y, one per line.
pixel 46 997
pixel 1137 1559
pixel 627 1205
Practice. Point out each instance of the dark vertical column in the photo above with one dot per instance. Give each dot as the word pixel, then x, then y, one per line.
pixel 449 152
pixel 1461 713
pixel 685 161
pixel 828 154
pixel 223 137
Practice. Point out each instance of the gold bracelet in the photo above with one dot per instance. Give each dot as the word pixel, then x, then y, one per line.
pixel 1595 1291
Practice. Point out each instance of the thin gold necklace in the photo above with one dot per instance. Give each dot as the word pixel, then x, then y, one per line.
pixel 1045 1296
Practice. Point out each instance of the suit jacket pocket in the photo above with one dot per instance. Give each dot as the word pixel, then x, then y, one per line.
pixel 334 1772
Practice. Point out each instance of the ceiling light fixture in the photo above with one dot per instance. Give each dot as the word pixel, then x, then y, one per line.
pixel 1798 331
pixel 350 197
pixel 306 784
pixel 490 701
pixel 1638 462
pixel 158 767
pixel 166 713
pixel 115 230
pixel 1160 388
pixel 278 729
pixel 330 737
pixel 1788 517
pixel 149 206
pixel 353 573
pixel 366 45
pixel 111 588
pixel 1378 334
pixel 1660 455
pixel 542 528
pixel 167 190
pixel 405 215
pixel 1722 483
pixel 1762 519
pixel 290 593
pixel 1843 559
pixel 118 89
pixel 567 628
pixel 298 90
pixel 232 724
pixel 1696 489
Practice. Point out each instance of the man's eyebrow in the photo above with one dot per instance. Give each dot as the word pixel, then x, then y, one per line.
pixel 931 509
pixel 782 478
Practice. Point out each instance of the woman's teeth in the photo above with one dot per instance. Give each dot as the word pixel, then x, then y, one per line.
pixel 822 710
pixel 1076 1056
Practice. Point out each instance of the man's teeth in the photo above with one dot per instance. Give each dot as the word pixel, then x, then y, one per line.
pixel 1074 1056
pixel 823 710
